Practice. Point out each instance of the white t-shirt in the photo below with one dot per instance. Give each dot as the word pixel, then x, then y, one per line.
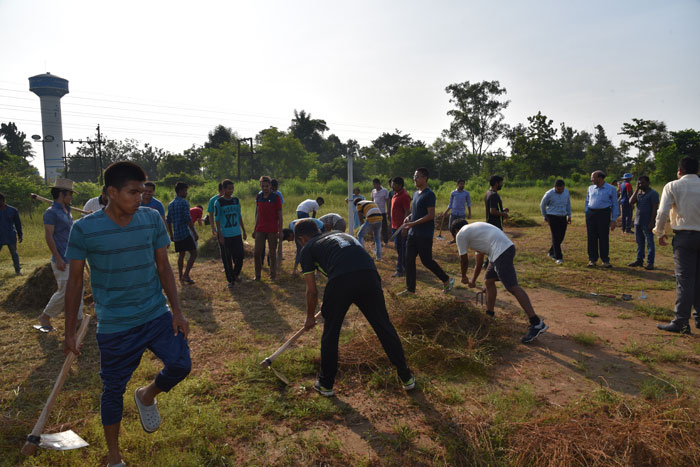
pixel 94 205
pixel 308 206
pixel 380 198
pixel 483 238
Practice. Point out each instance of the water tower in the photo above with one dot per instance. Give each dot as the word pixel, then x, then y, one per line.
pixel 50 89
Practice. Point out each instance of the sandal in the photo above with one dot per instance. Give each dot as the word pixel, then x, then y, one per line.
pixel 46 328
pixel 150 418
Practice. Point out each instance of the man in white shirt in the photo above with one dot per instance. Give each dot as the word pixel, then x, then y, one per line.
pixel 489 240
pixel 680 202
pixel 309 207
pixel 97 203
pixel 380 196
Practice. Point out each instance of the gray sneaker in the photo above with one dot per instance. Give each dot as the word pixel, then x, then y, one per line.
pixel 534 331
pixel 410 384
pixel 326 392
pixel 449 286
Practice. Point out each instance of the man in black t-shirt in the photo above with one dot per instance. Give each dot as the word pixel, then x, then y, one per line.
pixel 494 206
pixel 352 278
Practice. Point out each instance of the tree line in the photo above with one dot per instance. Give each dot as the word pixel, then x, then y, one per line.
pixel 307 149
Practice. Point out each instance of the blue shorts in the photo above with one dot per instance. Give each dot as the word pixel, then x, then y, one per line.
pixel 120 355
pixel 302 215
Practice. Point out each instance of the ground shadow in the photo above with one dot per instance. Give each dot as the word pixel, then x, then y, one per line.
pixel 197 307
pixel 363 427
pixel 254 299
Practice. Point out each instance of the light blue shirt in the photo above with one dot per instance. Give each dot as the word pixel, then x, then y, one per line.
pixel 458 200
pixel 124 277
pixel 556 204
pixel 319 224
pixel 603 198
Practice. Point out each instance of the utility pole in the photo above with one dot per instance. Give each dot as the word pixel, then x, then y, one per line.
pixel 250 141
pixel 99 152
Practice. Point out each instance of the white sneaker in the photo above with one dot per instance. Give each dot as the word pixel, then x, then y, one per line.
pixel 559 261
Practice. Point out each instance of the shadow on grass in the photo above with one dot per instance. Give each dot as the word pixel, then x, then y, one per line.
pixel 361 426
pixel 258 309
pixel 197 307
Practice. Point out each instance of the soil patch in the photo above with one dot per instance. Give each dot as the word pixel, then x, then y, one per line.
pixel 35 292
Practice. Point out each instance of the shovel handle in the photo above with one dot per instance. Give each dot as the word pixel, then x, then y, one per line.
pixel 46 200
pixel 34 437
pixel 268 361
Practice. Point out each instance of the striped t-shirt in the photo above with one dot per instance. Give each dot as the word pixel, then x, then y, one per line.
pixel 370 211
pixel 124 278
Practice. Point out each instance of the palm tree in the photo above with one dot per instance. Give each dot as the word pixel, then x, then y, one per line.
pixel 308 130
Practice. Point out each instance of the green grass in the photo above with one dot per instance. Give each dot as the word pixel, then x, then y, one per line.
pixel 587 339
pixel 592 314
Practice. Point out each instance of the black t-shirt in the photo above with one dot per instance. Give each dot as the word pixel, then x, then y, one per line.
pixel 421 202
pixel 334 254
pixel 493 200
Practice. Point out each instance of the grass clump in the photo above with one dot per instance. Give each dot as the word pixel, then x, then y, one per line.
pixel 591 314
pixel 657 313
pixel 587 339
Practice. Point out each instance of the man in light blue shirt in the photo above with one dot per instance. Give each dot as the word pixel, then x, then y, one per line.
pixel 460 202
pixel 556 210
pixel 602 211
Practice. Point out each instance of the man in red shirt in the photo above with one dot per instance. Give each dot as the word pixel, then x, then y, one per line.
pixel 196 214
pixel 268 226
pixel 400 208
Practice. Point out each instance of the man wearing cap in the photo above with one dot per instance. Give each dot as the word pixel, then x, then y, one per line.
pixel 625 195
pixel 602 211
pixel 57 224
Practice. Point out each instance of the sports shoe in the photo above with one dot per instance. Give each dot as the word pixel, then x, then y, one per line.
pixel 590 264
pixel 675 327
pixel 636 264
pixel 323 391
pixel 649 267
pixel 406 293
pixel 410 383
pixel 551 255
pixel 449 286
pixel 534 331
pixel 559 261
pixel 607 265
pixel 490 313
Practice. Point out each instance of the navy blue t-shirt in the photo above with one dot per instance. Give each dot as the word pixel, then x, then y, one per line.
pixel 421 202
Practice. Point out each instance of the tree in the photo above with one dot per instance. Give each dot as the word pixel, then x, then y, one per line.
pixel 220 135
pixel 684 143
pixel 408 159
pixel 219 163
pixel 388 144
pixel 602 155
pixel 647 136
pixel 573 146
pixel 17 143
pixel 177 163
pixel 280 153
pixel 535 151
pixel 308 130
pixel 477 118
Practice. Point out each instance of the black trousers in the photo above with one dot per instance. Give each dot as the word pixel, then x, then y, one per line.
pixel 557 225
pixel 598 228
pixel 385 229
pixel 686 259
pixel 364 289
pixel 423 247
pixel 232 257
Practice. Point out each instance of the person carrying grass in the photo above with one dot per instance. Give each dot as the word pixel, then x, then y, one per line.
pixel 487 239
pixel 125 245
pixel 352 279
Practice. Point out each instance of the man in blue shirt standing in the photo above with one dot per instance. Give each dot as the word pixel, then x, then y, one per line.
pixel 556 210
pixel 459 198
pixel 601 213
pixel 647 201
pixel 421 227
pixel 148 200
pixel 57 224
pixel 182 231
pixel 126 247
pixel 10 231
pixel 229 224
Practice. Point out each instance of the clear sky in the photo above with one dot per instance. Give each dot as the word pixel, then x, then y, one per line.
pixel 167 72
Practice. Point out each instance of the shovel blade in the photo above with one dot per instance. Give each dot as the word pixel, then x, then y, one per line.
pixel 64 441
pixel 280 376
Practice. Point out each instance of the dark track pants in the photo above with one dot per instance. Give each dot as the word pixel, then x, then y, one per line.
pixel 557 225
pixel 364 289
pixel 385 229
pixel 400 242
pixel 598 228
pixel 423 247
pixel 686 259
pixel 627 217
pixel 232 257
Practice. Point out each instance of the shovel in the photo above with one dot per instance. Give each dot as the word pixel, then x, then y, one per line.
pixel 397 233
pixel 67 439
pixel 442 222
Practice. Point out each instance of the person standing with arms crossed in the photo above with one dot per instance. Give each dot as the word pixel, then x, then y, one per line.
pixel 10 231
pixel 381 198
pixel 647 201
pixel 57 225
pixel 601 214
pixel 556 210
pixel 680 202
pixel 421 227
pixel 126 247
pixel 182 231
pixel 268 226
pixel 459 198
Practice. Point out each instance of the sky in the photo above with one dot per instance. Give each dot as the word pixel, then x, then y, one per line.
pixel 167 72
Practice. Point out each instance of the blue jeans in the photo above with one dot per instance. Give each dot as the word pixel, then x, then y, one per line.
pixel 400 242
pixel 13 252
pixel 376 229
pixel 642 235
pixel 120 354
pixel 302 215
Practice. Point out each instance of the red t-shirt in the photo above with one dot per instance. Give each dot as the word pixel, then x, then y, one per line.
pixel 267 212
pixel 400 203
pixel 195 214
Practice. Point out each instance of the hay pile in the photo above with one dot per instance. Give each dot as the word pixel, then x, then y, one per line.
pixel 35 292
pixel 516 219
pixel 209 248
